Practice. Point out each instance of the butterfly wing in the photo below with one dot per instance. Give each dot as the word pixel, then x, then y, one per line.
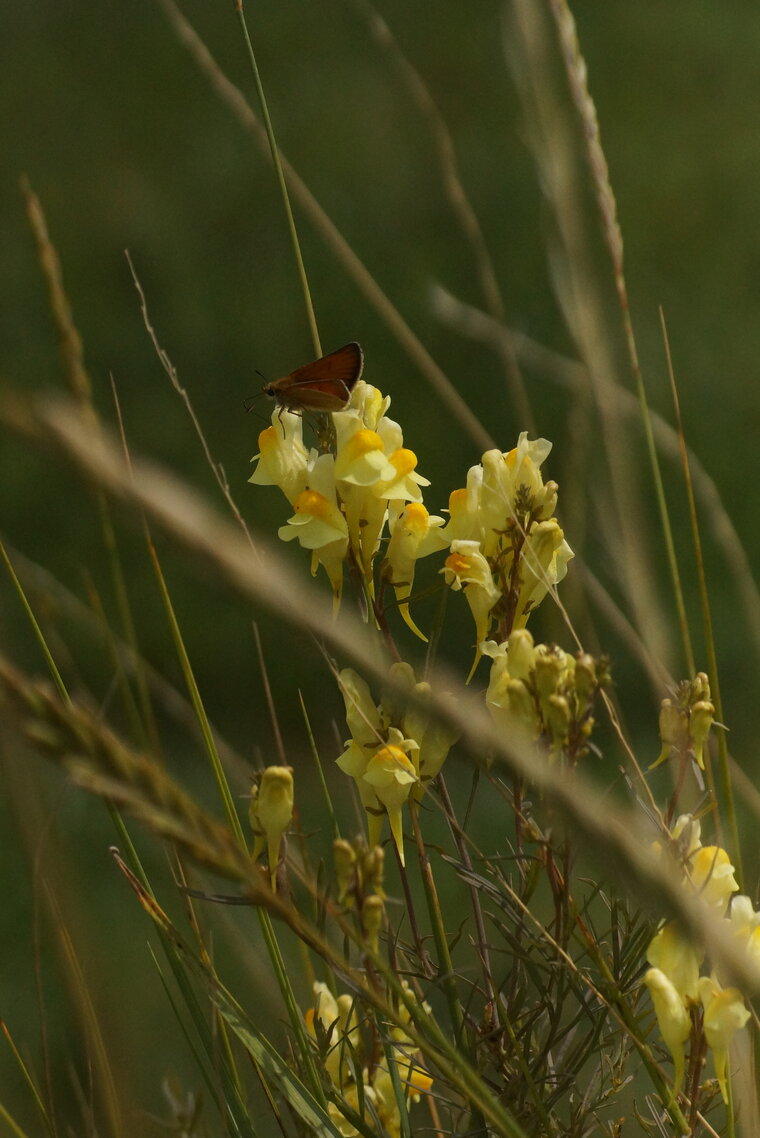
pixel 323 385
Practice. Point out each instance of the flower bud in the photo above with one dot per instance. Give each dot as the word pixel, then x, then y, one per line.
pixel 521 705
pixel 373 870
pixel 274 811
pixel 673 725
pixel 549 669
pixel 700 722
pixel 700 687
pixel 344 860
pixel 373 911
pixel 586 682
pixel 557 718
pixel 545 501
pixel 521 655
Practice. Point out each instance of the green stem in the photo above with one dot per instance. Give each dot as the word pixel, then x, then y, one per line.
pixel 281 183
pixel 294 1012
pixel 52 666
pixel 628 1019
pixel 445 965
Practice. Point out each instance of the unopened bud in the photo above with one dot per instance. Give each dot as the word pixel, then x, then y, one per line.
pixel 373 870
pixel 557 718
pixel 700 687
pixel 586 682
pixel 520 654
pixel 344 860
pixel 548 671
pixel 521 704
pixel 700 722
pixel 373 911
pixel 546 500
pixel 275 810
pixel 673 725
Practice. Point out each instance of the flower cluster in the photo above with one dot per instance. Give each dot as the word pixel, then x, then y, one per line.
pixel 506 548
pixel 342 500
pixel 544 692
pixel 685 721
pixel 359 871
pixel 687 1003
pixel 335 1027
pixel 395 748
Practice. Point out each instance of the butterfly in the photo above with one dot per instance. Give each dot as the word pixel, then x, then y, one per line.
pixel 323 385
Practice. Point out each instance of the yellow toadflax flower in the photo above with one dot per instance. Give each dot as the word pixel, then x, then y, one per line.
pixel 392 775
pixel 725 1014
pixel 677 957
pixel 712 875
pixel 282 457
pixel 466 568
pixel 414 534
pixel 507 550
pixel 673 1019
pixel 394 750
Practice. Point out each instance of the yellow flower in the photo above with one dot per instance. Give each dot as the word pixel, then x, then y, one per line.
pixel 508 698
pixel 414 534
pixel 504 513
pixel 395 749
pixel 745 925
pixel 365 515
pixel 404 483
pixel 368 403
pixel 353 762
pixel 673 1019
pixel 338 1030
pixel 725 1014
pixel 677 957
pixel 319 524
pixel 434 738
pixel 465 523
pixel 712 875
pixel 282 458
pixel 466 568
pixel 360 459
pixel 391 774
pixel 414 1079
pixel 271 812
pixel 387 1107
pixel 316 522
pixel 543 564
pixel 362 717
pixel 505 477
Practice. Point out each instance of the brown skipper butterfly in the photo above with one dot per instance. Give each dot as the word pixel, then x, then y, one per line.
pixel 324 385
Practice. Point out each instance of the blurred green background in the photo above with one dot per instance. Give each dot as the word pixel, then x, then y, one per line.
pixel 128 148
